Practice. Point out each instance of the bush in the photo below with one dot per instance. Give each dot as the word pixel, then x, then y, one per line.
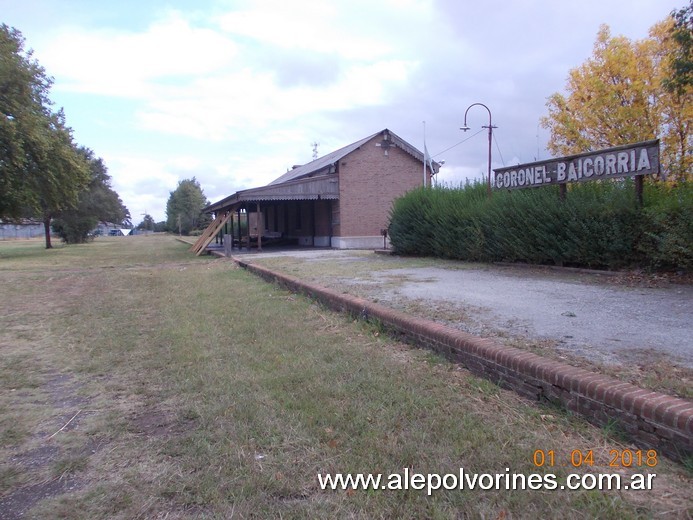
pixel 668 230
pixel 73 228
pixel 599 225
pixel 412 229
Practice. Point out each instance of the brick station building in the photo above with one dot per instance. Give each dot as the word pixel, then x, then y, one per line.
pixel 341 200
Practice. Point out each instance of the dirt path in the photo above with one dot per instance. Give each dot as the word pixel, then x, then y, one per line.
pixel 43 452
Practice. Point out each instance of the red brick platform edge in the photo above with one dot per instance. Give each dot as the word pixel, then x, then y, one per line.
pixel 650 419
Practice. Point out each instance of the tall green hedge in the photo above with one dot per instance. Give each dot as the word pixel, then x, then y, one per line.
pixel 598 225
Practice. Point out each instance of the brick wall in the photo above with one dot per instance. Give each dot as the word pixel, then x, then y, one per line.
pixel 368 183
pixel 650 419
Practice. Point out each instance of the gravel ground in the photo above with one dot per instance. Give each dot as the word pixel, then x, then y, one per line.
pixel 585 315
pixel 604 322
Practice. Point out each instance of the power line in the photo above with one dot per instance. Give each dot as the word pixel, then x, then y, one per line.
pixel 498 148
pixel 454 145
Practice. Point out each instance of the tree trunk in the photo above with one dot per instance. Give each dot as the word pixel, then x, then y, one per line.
pixel 47 229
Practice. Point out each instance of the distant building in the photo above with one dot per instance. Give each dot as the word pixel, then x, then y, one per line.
pixel 27 228
pixel 119 232
pixel 22 229
pixel 340 200
pixel 104 228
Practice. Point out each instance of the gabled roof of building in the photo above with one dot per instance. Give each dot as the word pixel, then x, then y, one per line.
pixel 320 163
pixel 328 160
pixel 306 182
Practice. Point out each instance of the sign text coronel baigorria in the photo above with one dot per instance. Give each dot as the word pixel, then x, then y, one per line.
pixel 621 161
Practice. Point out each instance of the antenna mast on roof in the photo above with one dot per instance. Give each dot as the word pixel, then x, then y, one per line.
pixel 315 150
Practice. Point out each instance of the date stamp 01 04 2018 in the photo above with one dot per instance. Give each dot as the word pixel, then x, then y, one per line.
pixel 585 458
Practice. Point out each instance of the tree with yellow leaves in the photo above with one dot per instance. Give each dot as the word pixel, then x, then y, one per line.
pixel 618 97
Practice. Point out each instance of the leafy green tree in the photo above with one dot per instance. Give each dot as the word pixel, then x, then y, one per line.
pixel 184 207
pixel 41 170
pixel 24 90
pixel 617 97
pixel 676 104
pixel 680 77
pixel 147 223
pixel 57 174
pixel 97 202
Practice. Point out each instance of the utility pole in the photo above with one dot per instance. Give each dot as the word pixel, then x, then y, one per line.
pixel 490 139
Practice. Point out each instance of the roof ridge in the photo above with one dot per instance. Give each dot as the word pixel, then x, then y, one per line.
pixel 322 162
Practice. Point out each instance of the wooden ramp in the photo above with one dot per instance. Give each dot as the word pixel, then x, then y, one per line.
pixel 209 233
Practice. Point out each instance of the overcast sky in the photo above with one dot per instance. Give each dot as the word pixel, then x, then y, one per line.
pixel 235 92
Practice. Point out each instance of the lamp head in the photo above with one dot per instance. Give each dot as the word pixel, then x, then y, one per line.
pixel 465 128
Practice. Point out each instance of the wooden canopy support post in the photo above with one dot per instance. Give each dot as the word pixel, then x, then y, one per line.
pixel 232 231
pixel 286 220
pixel 260 226
pixel 238 219
pixel 247 225
pixel 313 228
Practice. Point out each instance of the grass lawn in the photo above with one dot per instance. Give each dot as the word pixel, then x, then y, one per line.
pixel 140 381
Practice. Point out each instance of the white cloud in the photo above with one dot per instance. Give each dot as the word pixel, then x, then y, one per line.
pixel 129 64
pixel 219 84
pixel 345 29
pixel 223 107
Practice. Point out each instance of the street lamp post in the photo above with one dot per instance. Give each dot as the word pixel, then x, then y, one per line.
pixel 490 139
